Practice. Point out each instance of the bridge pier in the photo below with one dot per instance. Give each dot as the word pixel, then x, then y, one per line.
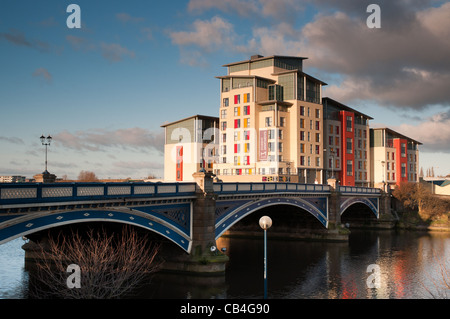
pixel 205 258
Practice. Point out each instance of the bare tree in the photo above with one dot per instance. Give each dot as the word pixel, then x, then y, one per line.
pixel 109 266
pixel 86 176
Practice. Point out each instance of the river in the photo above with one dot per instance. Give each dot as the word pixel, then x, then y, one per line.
pixel 408 265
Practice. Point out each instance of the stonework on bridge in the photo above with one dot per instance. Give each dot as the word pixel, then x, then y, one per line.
pixel 194 215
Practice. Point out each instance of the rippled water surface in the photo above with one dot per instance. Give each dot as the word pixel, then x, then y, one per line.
pixel 410 266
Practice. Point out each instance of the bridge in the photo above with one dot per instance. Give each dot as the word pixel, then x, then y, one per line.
pixel 190 215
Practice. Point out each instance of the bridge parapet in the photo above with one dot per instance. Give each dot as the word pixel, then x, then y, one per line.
pixel 353 190
pixel 23 193
pixel 236 188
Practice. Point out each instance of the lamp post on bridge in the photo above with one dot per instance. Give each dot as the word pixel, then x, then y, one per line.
pixel 45 177
pixel 46 141
pixel 265 223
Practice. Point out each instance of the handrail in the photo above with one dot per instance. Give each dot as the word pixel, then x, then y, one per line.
pixel 57 192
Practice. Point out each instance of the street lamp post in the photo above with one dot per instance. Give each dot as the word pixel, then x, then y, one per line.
pixel 265 222
pixel 46 141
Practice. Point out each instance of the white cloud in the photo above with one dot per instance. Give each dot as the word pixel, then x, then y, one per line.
pixel 209 35
pixel 137 139
pixel 434 132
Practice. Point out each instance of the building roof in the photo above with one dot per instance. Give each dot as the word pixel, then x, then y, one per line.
pixel 302 73
pixel 245 76
pixel 260 58
pixel 200 117
pixel 399 135
pixel 346 108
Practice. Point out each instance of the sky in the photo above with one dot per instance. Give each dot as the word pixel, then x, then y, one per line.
pixel 103 90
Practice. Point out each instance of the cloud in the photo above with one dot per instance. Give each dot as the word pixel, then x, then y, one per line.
pixel 280 9
pixel 404 64
pixel 114 52
pixel 434 132
pixel 126 17
pixel 43 73
pixel 17 37
pixel 13 140
pixel 208 35
pixel 137 139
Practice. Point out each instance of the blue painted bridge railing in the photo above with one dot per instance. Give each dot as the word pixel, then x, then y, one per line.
pixel 24 193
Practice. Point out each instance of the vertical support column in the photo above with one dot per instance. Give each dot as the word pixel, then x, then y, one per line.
pixel 204 251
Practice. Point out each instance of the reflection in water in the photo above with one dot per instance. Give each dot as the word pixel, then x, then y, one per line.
pixel 410 267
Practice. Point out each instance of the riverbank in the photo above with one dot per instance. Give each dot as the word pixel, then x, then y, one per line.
pixel 413 220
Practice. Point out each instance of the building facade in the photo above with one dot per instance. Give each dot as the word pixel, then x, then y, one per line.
pixel 395 157
pixel 271 122
pixel 274 125
pixel 347 151
pixel 12 179
pixel 190 145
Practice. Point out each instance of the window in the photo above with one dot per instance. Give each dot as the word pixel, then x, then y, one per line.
pixel 318 125
pixel 302 148
pixel 237 136
pixel 403 149
pixel 336 141
pixel 330 140
pixel 268 121
pixel 317 149
pixel 247 160
pixel 237 148
pixel 317 114
pixel 349 123
pixel 302 135
pixel 302 160
pixel 223 114
pixel 237 111
pixel 282 121
pixel 271 134
pixel 247 122
pixel 247 135
pixel 237 123
pixel 349 146
pixel 317 161
pixel 280 134
pixel 302 123
pixel 246 97
pixel 246 109
pixel 246 147
pixel 349 168
pixel 317 137
pixel 271 146
pixel 302 110
pixel 280 146
pixel 237 99
pixel 403 169
pixel 223 125
pixel 225 101
pixel 331 129
pixel 224 138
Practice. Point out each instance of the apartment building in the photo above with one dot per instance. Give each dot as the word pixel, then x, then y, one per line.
pixel 395 157
pixel 12 179
pixel 190 146
pixel 347 151
pixel 271 122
